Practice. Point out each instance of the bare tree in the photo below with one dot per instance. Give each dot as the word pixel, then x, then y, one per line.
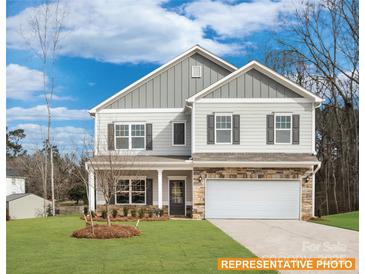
pixel 82 156
pixel 321 53
pixel 42 35
pixel 109 169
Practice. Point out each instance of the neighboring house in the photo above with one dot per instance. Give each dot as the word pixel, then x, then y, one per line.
pixel 208 140
pixel 25 205
pixel 15 181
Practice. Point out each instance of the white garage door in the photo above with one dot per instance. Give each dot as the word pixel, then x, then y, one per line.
pixel 252 199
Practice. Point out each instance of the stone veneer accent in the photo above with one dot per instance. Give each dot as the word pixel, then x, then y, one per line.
pixel 251 173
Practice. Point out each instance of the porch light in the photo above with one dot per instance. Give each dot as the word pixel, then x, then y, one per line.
pixel 200 179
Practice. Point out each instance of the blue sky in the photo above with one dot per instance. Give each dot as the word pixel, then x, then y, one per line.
pixel 106 45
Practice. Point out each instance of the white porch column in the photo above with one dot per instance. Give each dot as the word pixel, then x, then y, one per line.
pixel 159 181
pixel 91 185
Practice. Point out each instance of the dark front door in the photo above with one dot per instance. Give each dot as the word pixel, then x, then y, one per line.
pixel 177 197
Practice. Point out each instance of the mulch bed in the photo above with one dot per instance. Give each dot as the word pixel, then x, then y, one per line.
pixel 107 232
pixel 127 219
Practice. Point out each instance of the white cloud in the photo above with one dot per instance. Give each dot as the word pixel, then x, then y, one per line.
pixel 22 82
pixel 144 31
pixel 40 113
pixel 67 138
pixel 239 19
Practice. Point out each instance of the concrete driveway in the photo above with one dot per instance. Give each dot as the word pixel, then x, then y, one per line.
pixel 292 238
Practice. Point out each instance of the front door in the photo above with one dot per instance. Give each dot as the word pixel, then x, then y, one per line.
pixel 177 197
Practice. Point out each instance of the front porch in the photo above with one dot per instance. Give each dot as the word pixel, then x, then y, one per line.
pixel 165 183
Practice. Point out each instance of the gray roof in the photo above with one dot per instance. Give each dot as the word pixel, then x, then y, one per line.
pixel 14 172
pixel 13 197
pixel 255 157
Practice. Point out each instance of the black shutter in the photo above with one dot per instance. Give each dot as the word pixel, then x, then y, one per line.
pixel 148 136
pixel 296 125
pixel 210 129
pixel 110 136
pixel 270 129
pixel 149 191
pixel 236 129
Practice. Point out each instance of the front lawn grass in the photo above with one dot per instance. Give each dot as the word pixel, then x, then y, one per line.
pixel 349 220
pixel 45 246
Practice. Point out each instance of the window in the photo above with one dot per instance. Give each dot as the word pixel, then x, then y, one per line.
pixel 122 192
pixel 178 133
pixel 196 71
pixel 283 128
pixel 130 136
pixel 130 191
pixel 223 128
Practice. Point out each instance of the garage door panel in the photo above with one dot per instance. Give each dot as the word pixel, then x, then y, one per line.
pixel 252 199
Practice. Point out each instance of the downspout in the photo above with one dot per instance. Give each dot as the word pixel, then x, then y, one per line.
pixel 318 166
pixel 313 174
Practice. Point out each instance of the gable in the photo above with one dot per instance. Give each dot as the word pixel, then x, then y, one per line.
pixel 170 87
pixel 252 84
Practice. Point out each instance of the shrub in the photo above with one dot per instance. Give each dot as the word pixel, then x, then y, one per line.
pixel 156 211
pixel 86 210
pixel 49 211
pixel 133 212
pixel 125 211
pixel 114 213
pixel 93 213
pixel 141 213
pixel 150 213
pixel 104 214
pixel 160 212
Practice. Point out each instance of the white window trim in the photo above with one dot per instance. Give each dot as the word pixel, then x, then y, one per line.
pixel 179 122
pixel 215 127
pixel 200 71
pixel 129 136
pixel 130 179
pixel 290 129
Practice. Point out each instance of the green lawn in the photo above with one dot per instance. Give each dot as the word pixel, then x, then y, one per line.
pixel 348 220
pixel 45 246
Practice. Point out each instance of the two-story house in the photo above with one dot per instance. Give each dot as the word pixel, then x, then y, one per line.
pixel 199 137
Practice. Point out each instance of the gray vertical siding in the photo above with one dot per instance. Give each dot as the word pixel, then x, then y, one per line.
pixel 170 88
pixel 252 84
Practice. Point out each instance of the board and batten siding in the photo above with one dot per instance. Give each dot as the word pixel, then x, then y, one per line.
pixel 253 126
pixel 170 88
pixel 161 131
pixel 252 84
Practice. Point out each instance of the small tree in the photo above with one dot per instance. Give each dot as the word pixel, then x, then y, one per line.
pixel 108 171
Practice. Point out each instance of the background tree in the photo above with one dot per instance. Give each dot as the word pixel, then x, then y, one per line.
pixel 42 35
pixel 14 147
pixel 77 193
pixel 321 52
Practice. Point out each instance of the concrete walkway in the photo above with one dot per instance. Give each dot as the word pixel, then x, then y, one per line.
pixel 292 238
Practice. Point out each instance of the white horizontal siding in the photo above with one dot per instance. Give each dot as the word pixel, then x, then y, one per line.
pixel 161 130
pixel 165 189
pixel 253 126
